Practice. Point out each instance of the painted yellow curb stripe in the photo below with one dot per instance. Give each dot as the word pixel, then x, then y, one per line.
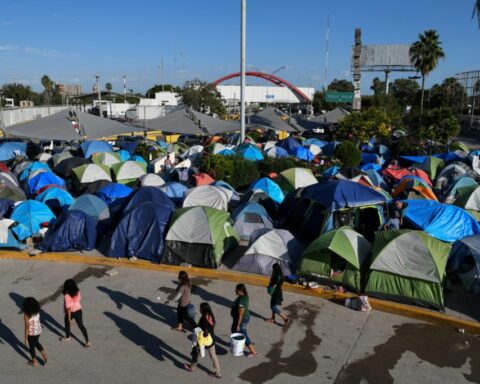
pixel 239 277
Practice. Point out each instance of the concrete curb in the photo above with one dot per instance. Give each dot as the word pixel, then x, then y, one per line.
pixel 239 277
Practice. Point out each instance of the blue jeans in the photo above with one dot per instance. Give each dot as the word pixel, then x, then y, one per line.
pixel 243 329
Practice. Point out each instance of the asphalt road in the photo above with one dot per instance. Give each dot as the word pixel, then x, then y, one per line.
pixel 129 325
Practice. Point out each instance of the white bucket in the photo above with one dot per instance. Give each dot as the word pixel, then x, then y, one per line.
pixel 237 344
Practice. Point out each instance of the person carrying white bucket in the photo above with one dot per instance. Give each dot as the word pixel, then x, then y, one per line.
pixel 241 317
pixel 205 340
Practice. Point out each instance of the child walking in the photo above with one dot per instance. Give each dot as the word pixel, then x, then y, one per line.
pixel 33 329
pixel 73 310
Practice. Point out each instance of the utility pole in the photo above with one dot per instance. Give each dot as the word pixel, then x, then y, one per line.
pixel 327 38
pixel 242 69
pixel 97 77
pixel 161 77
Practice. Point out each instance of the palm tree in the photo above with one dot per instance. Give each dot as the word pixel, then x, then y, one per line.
pixel 425 54
pixel 47 84
pixel 108 87
pixel 476 11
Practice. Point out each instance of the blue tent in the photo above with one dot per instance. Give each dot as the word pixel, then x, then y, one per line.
pixel 32 167
pixel 329 149
pixel 153 194
pixel 91 205
pixel 6 207
pixel 289 144
pixel 443 221
pixel 371 166
pixel 276 152
pixel 409 160
pixel 73 231
pixel 55 198
pixel 368 157
pixel 129 146
pixel 10 150
pixel 249 217
pixel 124 155
pixel 250 152
pixel 175 191
pixel 226 152
pixel 162 144
pixel 330 172
pixel 141 232
pixel 42 180
pixel 271 188
pixel 221 183
pixel 114 193
pixel 8 239
pixel 339 194
pixel 30 215
pixel 303 153
pixel 319 143
pixel 383 150
pixel 92 146
pixel 448 157
pixel 138 158
pixel 376 178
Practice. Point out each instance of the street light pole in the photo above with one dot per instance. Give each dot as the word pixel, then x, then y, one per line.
pixel 273 73
pixel 242 69
pixel 97 77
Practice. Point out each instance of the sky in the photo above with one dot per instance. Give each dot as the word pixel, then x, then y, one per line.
pixel 72 41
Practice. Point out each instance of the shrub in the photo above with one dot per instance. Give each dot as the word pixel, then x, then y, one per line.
pixel 235 170
pixel 148 149
pixel 348 153
pixel 269 165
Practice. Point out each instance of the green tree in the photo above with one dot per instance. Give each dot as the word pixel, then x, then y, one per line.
pixel 340 86
pixel 108 87
pixel 48 87
pixel 476 11
pixel 405 91
pixel 203 97
pixel 425 54
pixel 440 125
pixel 378 86
pixel 348 154
pixel 318 102
pixel 449 94
pixel 158 88
pixel 362 126
pixel 19 92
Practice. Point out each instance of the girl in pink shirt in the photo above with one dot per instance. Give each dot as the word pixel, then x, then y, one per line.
pixel 73 309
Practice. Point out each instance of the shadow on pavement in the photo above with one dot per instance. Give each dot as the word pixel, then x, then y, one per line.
pixel 151 344
pixel 7 336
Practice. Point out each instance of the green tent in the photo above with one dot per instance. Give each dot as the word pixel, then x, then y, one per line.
pixel 199 236
pixel 337 256
pixel 460 145
pixel 408 266
pixel 431 165
pixel 89 173
pixel 294 178
pixel 128 172
pixel 468 198
pixel 106 158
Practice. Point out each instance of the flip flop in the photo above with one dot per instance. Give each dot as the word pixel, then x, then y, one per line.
pixel 188 367
pixel 178 330
pixel 270 321
pixel 213 374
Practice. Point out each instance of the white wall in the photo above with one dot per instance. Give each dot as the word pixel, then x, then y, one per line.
pixel 10 117
pixel 258 94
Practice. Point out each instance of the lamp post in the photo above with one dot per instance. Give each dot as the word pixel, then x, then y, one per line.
pixel 242 68
pixel 97 77
pixel 273 73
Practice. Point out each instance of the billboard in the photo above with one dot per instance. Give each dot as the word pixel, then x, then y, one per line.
pixel 391 55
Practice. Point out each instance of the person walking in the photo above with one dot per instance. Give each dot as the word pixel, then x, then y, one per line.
pixel 207 326
pixel 184 290
pixel 33 329
pixel 73 310
pixel 241 316
pixel 274 289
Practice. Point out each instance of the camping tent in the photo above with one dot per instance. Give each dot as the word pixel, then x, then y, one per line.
pixel 442 221
pixel 7 239
pixel 249 217
pixel 89 173
pixel 250 152
pixel 43 181
pixel 452 172
pixel 294 178
pixel 128 172
pixel 72 231
pixel 208 196
pixel 271 188
pixel 11 149
pixel 93 146
pixel 114 194
pixel 56 198
pixel 408 266
pixel 92 206
pixel 175 191
pixel 451 192
pixel 199 236
pixel 267 247
pixel 468 198
pixel 337 256
pixel 106 158
pixel 65 167
pixel 413 187
pixel 154 194
pixel 141 232
pixel 30 216
pixel 464 261
pixel 151 180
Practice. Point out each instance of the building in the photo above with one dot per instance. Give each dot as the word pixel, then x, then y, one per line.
pixel 26 103
pixel 69 89
pixel 262 94
pixel 152 108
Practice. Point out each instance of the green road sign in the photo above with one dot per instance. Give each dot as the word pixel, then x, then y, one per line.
pixel 339 97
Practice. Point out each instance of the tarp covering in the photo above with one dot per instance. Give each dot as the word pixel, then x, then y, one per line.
pixel 59 126
pixel 73 231
pixel 140 232
pixel 12 149
pixel 272 118
pixel 443 221
pixel 215 126
pixel 179 121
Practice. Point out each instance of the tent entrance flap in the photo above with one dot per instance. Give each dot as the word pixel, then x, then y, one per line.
pixel 368 221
